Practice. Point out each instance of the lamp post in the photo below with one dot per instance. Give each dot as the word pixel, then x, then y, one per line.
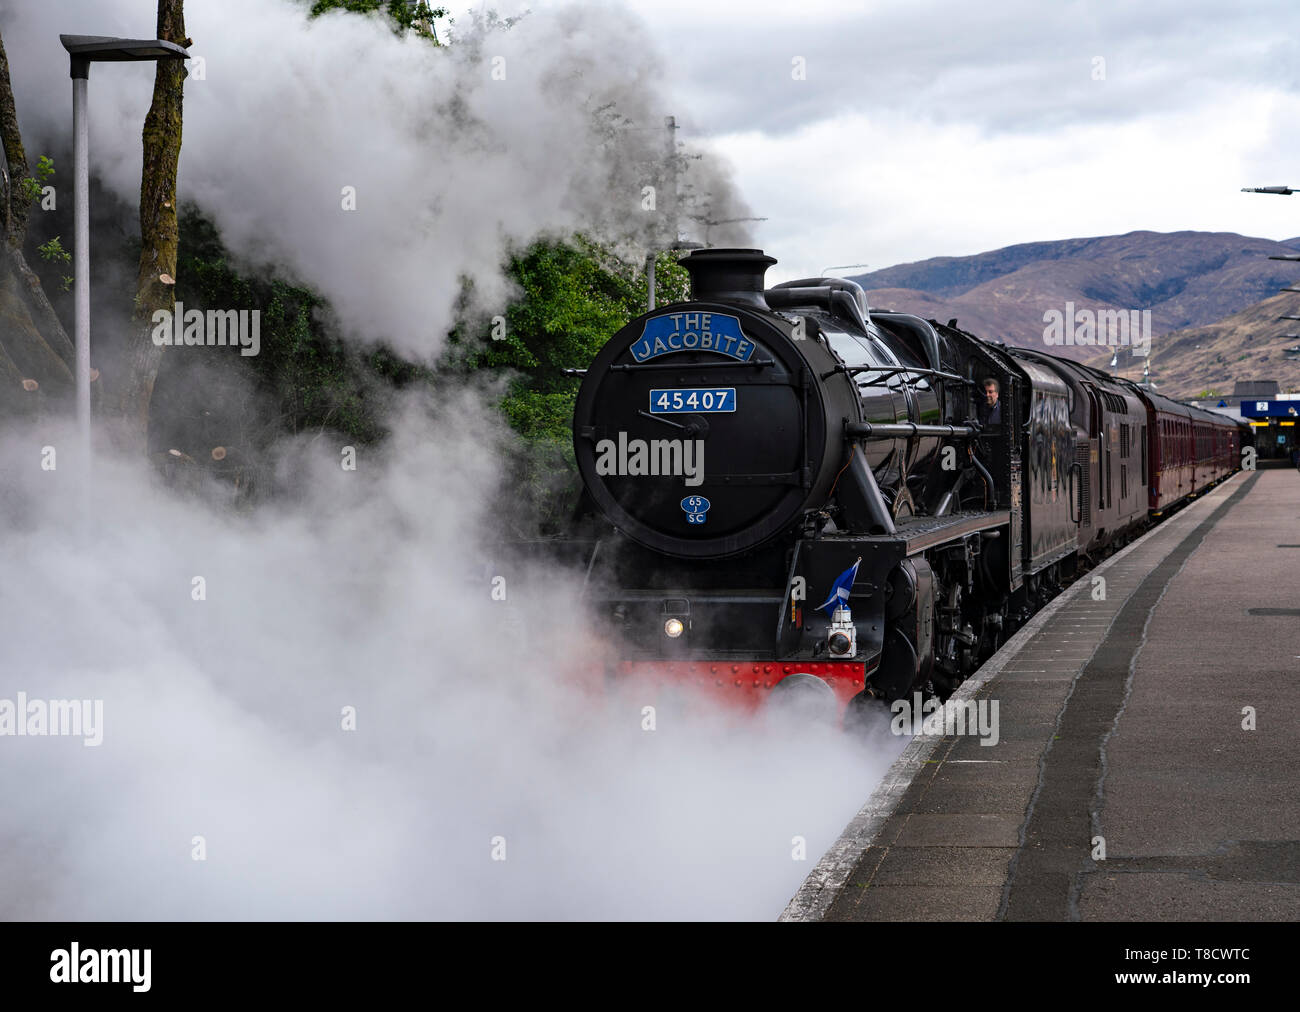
pixel 1281 191
pixel 83 50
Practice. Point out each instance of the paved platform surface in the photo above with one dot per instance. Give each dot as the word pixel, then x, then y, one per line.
pixel 1121 720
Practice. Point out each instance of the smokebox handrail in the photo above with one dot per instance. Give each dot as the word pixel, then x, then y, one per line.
pixel 860 430
pixel 888 373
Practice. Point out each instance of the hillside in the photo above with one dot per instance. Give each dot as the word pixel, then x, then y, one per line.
pixel 1213 298
pixel 1246 345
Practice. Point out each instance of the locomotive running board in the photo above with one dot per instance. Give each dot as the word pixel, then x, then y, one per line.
pixel 922 533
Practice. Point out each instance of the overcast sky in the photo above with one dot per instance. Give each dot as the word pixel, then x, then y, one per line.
pixel 946 127
pixel 928 128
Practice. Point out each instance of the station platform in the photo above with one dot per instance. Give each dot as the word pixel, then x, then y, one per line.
pixel 1147 753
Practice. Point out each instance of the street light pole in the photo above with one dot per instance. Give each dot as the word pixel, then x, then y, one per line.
pixel 1282 191
pixel 83 50
pixel 81 251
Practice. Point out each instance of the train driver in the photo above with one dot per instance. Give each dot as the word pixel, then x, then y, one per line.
pixel 990 411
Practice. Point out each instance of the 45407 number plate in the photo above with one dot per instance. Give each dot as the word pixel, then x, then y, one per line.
pixel 690 400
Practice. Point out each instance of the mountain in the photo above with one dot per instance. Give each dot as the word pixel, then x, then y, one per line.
pixel 1213 293
pixel 1246 345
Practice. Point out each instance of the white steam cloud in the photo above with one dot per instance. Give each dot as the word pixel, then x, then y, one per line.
pixel 223 717
pixel 553 125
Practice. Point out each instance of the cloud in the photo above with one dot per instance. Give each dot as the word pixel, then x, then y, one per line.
pixel 942 128
pixel 1095 180
pixel 1020 67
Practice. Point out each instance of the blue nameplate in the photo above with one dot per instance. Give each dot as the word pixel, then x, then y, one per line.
pixel 673 332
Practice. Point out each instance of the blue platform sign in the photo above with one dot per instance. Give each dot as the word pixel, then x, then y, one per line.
pixel 1270 409
pixel 674 332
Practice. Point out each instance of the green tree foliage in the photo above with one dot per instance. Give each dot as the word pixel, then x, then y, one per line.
pixel 32 186
pixel 416 18
pixel 54 251
pixel 51 252
pixel 573 296
pixel 306 378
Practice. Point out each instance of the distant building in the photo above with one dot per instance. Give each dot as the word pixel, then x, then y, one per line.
pixel 1271 414
pixel 1226 406
pixel 1254 389
pixel 1246 394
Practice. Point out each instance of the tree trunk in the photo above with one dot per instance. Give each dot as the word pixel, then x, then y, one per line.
pixel 131 392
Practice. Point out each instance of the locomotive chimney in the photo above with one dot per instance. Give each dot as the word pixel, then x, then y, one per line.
pixel 728 275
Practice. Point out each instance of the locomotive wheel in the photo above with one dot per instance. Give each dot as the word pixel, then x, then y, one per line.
pixel 865 715
pixel 801 699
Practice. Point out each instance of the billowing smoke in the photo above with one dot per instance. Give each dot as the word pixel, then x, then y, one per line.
pixel 228 651
pixel 321 709
pixel 378 170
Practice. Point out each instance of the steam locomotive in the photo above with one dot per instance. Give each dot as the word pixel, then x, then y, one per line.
pixel 788 494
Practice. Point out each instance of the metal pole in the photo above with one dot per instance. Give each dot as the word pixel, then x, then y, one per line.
pixel 650 279
pixel 670 164
pixel 81 259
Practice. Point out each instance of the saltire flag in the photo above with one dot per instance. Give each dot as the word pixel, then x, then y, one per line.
pixel 840 590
